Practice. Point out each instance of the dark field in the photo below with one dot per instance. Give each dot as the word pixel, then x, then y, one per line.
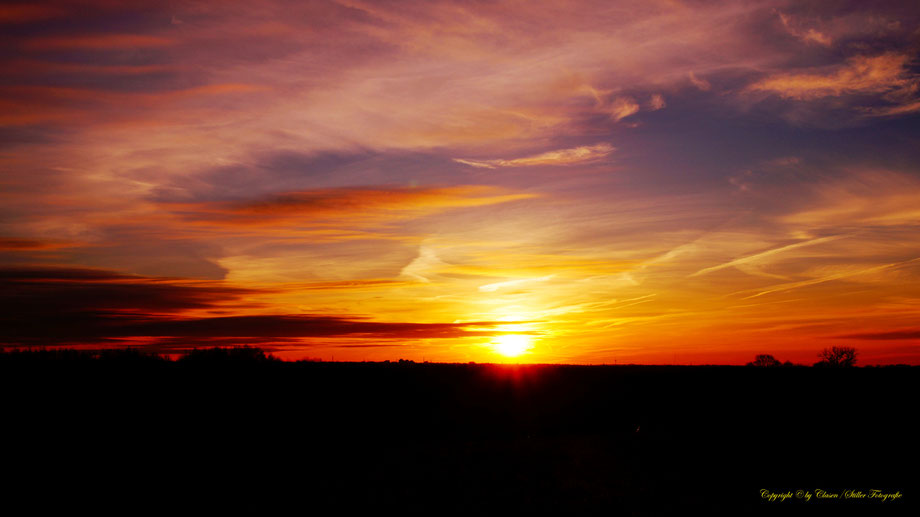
pixel 223 430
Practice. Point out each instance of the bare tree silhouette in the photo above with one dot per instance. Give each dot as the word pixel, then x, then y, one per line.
pixel 840 356
pixel 765 360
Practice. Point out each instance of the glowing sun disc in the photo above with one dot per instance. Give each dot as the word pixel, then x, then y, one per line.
pixel 512 345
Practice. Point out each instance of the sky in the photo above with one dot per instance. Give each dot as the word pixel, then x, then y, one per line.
pixel 635 181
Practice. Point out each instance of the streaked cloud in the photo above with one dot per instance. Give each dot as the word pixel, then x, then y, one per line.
pixel 27 12
pixel 98 42
pixel 886 73
pixel 491 288
pixel 622 107
pixel 572 156
pixel 89 306
pixel 699 83
pixel 909 334
pixel 864 199
pixel 788 286
pixel 347 203
pixel 426 263
pixel 807 35
pixel 8 243
pixel 764 256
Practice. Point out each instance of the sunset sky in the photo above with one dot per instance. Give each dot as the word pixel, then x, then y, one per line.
pixel 582 182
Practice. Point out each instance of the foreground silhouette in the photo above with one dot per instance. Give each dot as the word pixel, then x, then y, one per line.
pixel 224 429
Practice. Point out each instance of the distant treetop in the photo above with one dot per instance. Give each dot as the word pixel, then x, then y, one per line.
pixel 765 360
pixel 837 356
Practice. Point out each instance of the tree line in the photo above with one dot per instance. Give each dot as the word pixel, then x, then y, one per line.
pixel 835 356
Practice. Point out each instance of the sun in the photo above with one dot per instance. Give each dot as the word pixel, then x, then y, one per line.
pixel 512 345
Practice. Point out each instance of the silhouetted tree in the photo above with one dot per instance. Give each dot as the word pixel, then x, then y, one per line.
pixel 839 356
pixel 765 360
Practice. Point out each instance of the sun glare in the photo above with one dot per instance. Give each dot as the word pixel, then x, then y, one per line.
pixel 512 345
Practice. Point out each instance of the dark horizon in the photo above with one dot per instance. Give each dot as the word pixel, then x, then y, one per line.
pixel 256 353
pixel 233 430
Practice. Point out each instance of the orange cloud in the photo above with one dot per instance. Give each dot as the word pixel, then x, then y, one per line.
pixel 809 35
pixel 860 75
pixel 349 203
pixel 753 260
pixel 92 107
pixel 13 244
pixel 22 66
pixel 901 109
pixel 623 107
pixel 583 154
pixel 97 42
pixel 865 199
pixel 701 84
pixel 21 13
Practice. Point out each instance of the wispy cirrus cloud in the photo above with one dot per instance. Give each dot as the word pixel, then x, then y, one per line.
pixel 841 275
pixel 13 244
pixel 889 335
pixel 345 203
pixel 582 154
pixel 879 85
pixel 98 42
pixel 860 199
pixel 859 75
pixel 622 107
pixel 28 12
pixel 491 288
pixel 752 261
pixel 807 34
